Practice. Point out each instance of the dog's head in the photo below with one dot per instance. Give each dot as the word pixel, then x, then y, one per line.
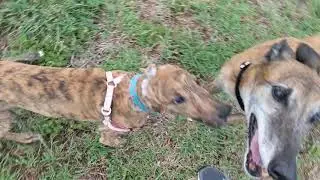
pixel 170 88
pixel 282 104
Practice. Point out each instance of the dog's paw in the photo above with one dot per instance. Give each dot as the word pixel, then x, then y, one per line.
pixel 27 138
pixel 24 138
pixel 116 142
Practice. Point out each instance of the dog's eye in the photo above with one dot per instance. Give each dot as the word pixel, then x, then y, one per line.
pixel 179 100
pixel 281 94
pixel 315 118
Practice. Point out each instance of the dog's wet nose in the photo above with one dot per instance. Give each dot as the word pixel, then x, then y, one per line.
pixel 224 111
pixel 281 170
pixel 218 115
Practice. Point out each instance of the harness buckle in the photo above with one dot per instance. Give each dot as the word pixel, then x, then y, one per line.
pixel 111 83
pixel 106 112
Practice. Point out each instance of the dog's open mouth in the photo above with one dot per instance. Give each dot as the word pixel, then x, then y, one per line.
pixel 253 162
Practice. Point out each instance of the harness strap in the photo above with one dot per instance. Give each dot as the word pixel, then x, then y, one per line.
pixel 243 68
pixel 106 109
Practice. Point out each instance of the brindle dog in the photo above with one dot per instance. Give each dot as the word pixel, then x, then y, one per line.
pixel 280 92
pixel 79 94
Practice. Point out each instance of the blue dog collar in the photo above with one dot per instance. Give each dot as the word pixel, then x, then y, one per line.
pixel 134 95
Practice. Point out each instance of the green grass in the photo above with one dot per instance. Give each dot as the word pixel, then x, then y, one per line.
pixel 128 60
pixel 169 150
pixel 57 27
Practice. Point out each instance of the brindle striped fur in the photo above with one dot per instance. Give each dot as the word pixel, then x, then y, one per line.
pixel 79 94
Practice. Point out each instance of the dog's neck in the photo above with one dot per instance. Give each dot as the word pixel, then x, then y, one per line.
pixel 149 94
pixel 144 86
pixel 243 68
pixel 247 80
pixel 142 92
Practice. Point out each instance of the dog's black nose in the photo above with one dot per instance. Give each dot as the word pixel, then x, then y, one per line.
pixel 281 170
pixel 224 111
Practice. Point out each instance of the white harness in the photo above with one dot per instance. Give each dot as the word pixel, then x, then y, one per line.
pixel 106 109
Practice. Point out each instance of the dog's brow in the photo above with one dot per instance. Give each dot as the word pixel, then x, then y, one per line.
pixel 190 86
pixel 270 83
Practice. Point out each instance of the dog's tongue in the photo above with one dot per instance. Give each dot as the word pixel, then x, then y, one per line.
pixel 254 147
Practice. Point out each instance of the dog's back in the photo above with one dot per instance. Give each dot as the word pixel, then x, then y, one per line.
pixel 51 91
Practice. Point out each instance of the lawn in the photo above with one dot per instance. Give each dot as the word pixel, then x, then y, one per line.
pixel 199 35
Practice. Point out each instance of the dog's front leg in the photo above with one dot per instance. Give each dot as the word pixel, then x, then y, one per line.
pixel 112 138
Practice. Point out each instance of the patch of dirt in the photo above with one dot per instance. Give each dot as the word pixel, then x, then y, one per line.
pixel 159 128
pixel 157 12
pixel 3 46
pixel 261 19
pixel 17 152
pixel 315 172
pixel 186 20
pixel 310 166
pixel 97 172
pixel 157 123
pixel 170 161
pixel 30 174
pixel 149 9
pixel 279 5
pixel 310 170
pixel 152 55
pixel 299 9
pixel 99 49
pixel 315 135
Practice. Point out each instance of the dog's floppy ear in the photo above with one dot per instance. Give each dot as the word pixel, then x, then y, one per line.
pixel 280 51
pixel 151 71
pixel 308 56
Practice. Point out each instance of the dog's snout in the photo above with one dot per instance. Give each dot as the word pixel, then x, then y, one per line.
pixel 281 170
pixel 216 115
pixel 224 111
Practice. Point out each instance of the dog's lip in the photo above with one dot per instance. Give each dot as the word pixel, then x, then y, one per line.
pixel 251 165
